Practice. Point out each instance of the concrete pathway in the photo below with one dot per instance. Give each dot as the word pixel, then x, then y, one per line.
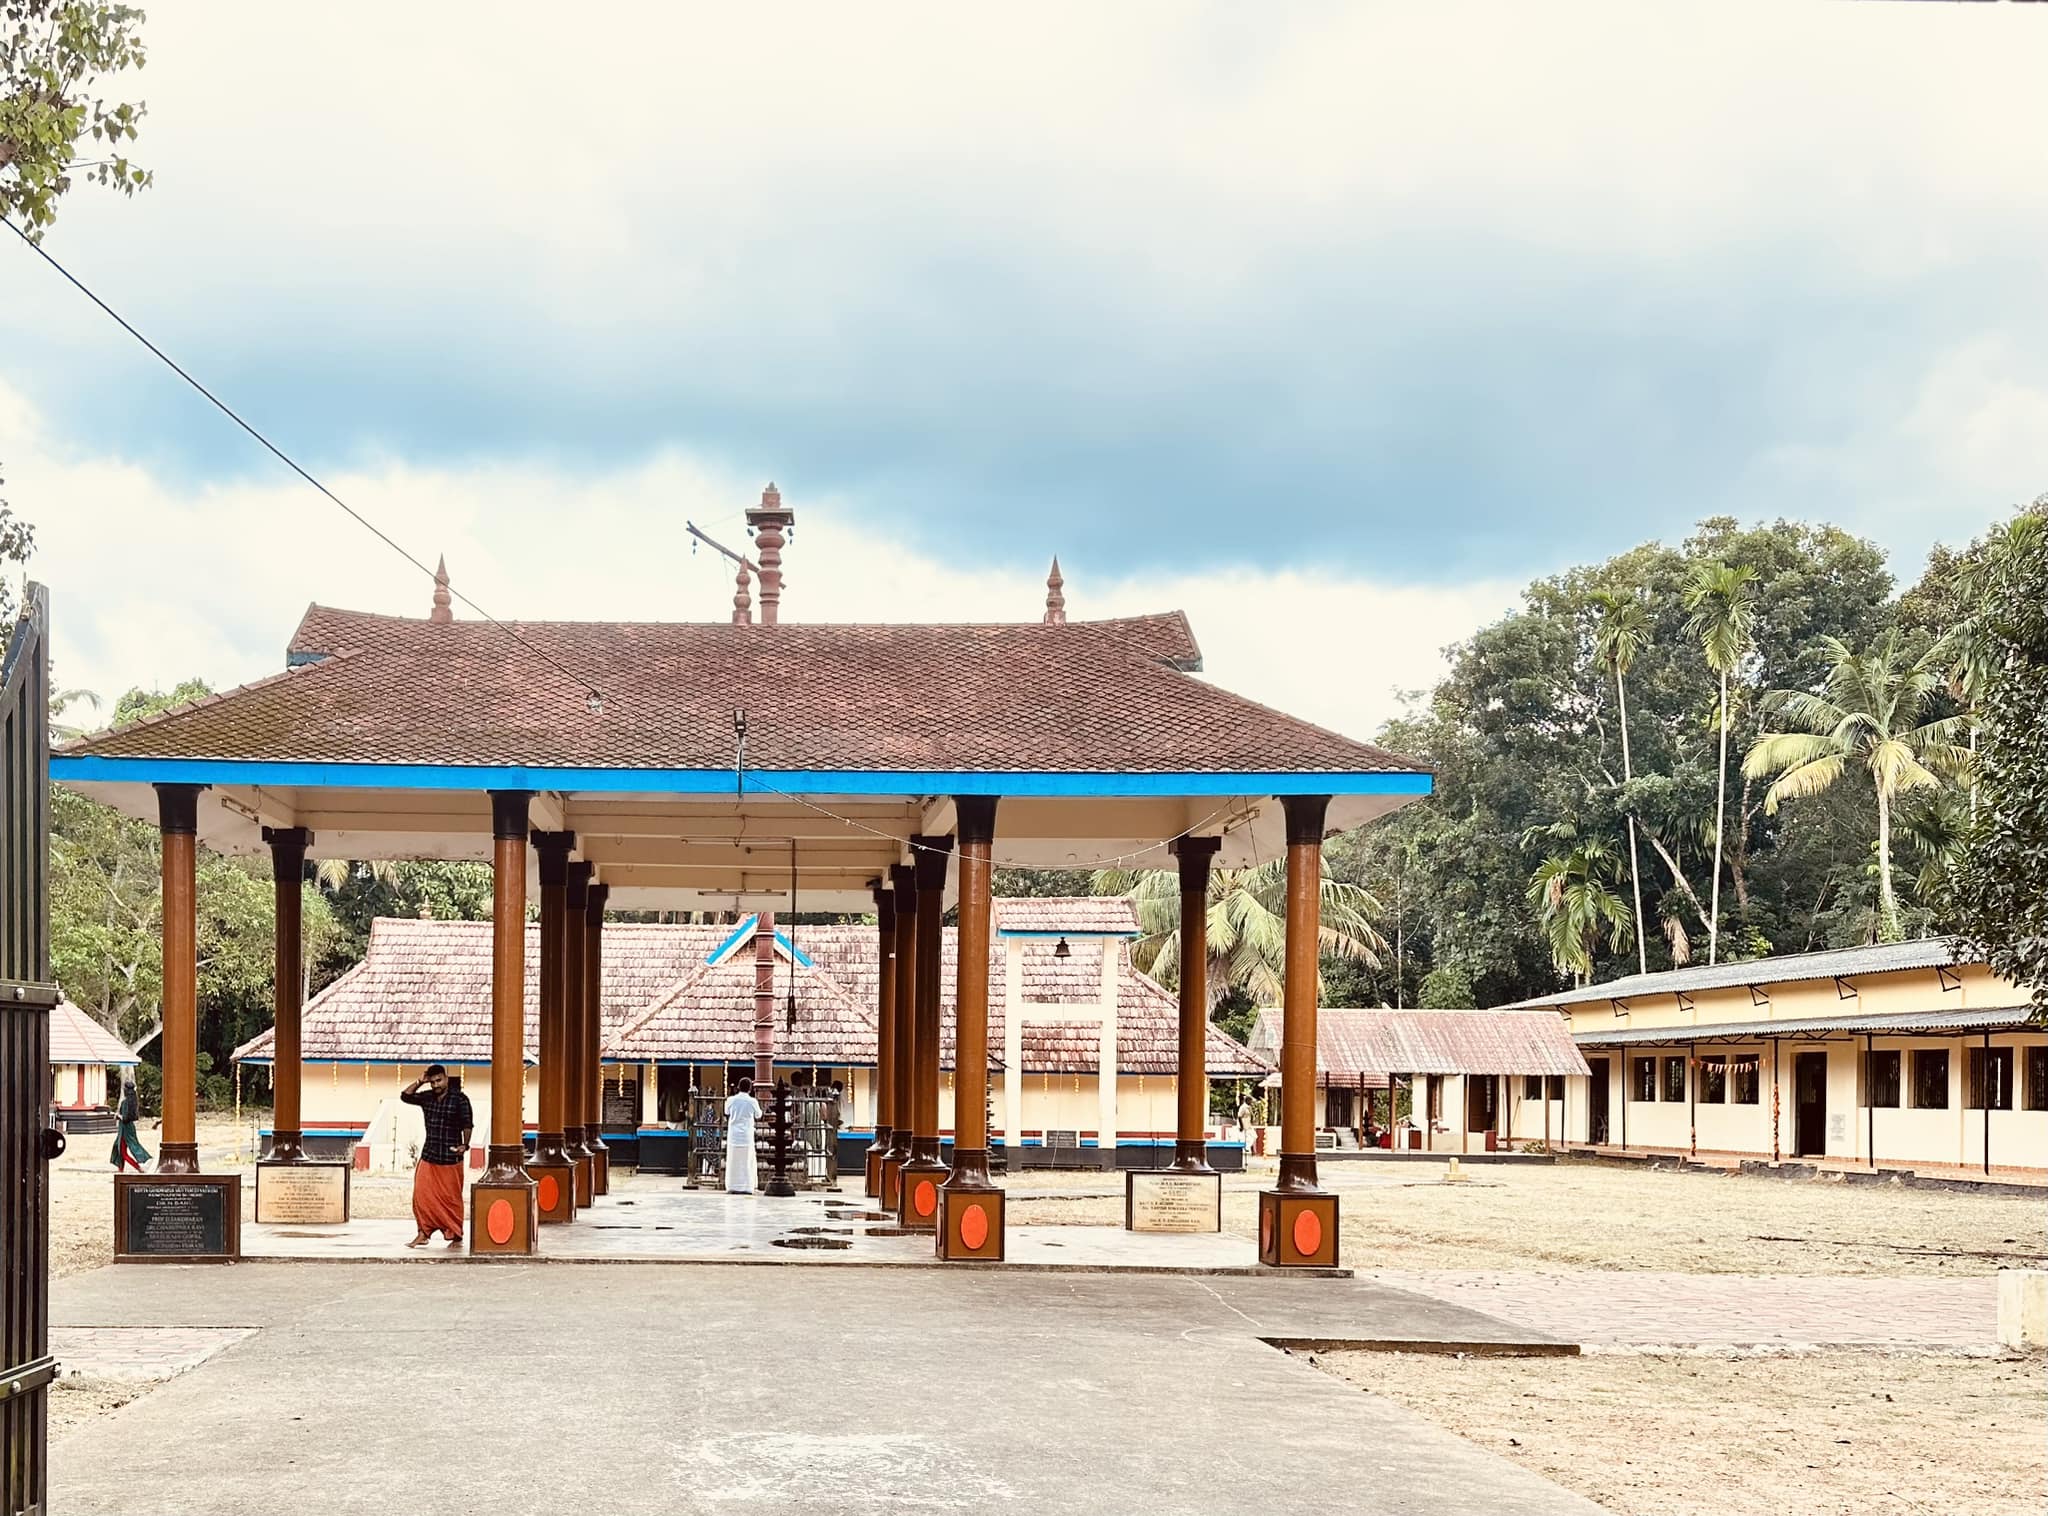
pixel 721 1389
pixel 668 1223
pixel 137 1353
pixel 1724 1310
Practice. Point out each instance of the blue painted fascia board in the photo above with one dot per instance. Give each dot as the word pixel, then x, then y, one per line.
pixel 85 768
pixel 744 930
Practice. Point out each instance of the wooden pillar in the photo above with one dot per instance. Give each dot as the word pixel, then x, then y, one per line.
pixel 885 1034
pixel 764 1009
pixel 581 1113
pixel 501 1202
pixel 288 879
pixel 1191 1074
pixel 971 1207
pixel 178 818
pixel 1297 1219
pixel 903 883
pixel 552 1166
pixel 923 1174
pixel 594 898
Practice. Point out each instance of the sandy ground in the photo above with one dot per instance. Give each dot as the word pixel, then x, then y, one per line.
pixel 1874 1434
pixel 1558 1217
pixel 74 1402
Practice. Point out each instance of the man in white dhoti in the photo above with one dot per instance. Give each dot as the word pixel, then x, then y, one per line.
pixel 742 1110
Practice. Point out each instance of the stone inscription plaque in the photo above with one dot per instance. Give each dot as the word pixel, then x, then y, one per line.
pixel 302 1194
pixel 184 1217
pixel 1168 1202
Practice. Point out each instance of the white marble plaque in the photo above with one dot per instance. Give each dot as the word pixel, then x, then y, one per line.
pixel 301 1194
pixel 1170 1202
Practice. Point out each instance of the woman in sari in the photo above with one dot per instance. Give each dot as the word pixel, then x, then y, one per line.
pixel 128 1147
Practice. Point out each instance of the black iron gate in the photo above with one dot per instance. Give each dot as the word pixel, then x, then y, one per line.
pixel 26 995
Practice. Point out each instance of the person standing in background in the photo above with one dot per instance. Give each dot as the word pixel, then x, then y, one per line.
pixel 742 1110
pixel 128 1146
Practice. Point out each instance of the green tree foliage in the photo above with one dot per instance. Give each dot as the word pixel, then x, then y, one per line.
pixel 1247 923
pixel 1872 713
pixel 1722 599
pixel 1573 896
pixel 444 891
pixel 53 56
pixel 1445 989
pixel 2000 886
pixel 1524 732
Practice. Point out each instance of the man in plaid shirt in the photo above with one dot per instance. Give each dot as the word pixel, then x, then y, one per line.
pixel 437 1181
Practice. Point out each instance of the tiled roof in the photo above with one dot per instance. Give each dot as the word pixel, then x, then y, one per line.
pixel 1082 697
pixel 422 992
pixel 1068 914
pixel 1830 963
pixel 76 1038
pixel 1884 1023
pixel 1376 1043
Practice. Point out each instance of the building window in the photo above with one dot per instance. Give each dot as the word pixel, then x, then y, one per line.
pixel 1557 1080
pixel 1743 1070
pixel 2037 1079
pixel 1990 1079
pixel 1674 1079
pixel 1532 1086
pixel 1881 1075
pixel 1930 1079
pixel 1714 1079
pixel 1642 1079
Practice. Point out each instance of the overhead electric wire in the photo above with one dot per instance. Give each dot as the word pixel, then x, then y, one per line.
pixel 595 695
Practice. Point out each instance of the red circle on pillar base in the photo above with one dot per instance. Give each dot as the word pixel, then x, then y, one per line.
pixel 550 1192
pixel 498 1221
pixel 974 1227
pixel 1308 1233
pixel 925 1197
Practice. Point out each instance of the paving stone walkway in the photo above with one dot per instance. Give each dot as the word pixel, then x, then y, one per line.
pixel 137 1353
pixel 1601 1309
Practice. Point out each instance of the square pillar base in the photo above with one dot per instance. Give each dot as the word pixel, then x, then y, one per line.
pixel 586 1181
pixel 970 1225
pixel 891 1192
pixel 918 1206
pixel 503 1219
pixel 554 1190
pixel 601 1173
pixel 177 1218
pixel 872 1187
pixel 302 1191
pixel 1297 1229
pixel 1172 1200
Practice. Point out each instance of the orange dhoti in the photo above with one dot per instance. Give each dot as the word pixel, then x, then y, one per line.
pixel 437 1199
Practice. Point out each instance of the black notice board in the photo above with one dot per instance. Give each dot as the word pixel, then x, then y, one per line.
pixel 176 1220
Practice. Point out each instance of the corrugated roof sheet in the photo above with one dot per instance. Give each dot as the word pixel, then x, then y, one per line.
pixel 76 1038
pixel 1889 1023
pixel 422 992
pixel 1079 697
pixel 1832 963
pixel 1372 1044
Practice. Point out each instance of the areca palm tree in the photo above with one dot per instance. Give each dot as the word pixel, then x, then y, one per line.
pixel 1247 922
pixel 1572 895
pixel 1722 599
pixel 1871 712
pixel 1622 633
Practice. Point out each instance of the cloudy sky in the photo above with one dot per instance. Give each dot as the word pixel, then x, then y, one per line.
pixel 1337 322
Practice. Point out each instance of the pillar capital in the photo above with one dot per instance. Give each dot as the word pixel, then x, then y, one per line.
pixel 977 818
pixel 593 908
pixel 903 882
pixel 578 881
pixel 1195 855
pixel 933 855
pixel 288 846
pixel 885 908
pixel 508 814
pixel 1305 815
pixel 177 809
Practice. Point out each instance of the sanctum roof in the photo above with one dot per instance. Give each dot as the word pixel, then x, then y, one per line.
pixel 423 993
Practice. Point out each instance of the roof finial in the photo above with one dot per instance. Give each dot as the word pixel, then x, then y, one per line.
pixel 441 612
pixel 769 521
pixel 742 604
pixel 1055 598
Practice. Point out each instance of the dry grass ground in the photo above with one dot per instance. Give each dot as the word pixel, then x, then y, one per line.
pixel 1873 1434
pixel 1559 1217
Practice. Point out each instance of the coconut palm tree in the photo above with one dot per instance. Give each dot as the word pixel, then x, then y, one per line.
pixel 1870 712
pixel 1722 599
pixel 1247 925
pixel 332 873
pixel 1622 633
pixel 1571 894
